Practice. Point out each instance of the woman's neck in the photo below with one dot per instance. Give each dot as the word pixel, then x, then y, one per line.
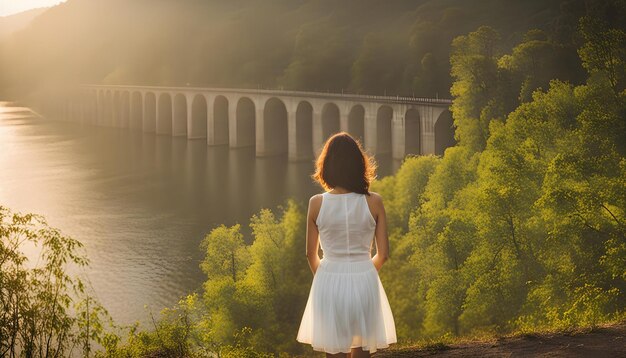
pixel 339 190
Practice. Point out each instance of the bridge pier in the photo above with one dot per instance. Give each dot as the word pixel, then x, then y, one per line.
pixel 232 125
pixel 344 118
pixel 149 113
pixel 406 133
pixel 125 110
pixel 108 109
pixel 164 114
pixel 180 116
pixel 115 113
pixel 317 133
pixel 136 111
pixel 397 136
pixel 427 131
pixel 292 135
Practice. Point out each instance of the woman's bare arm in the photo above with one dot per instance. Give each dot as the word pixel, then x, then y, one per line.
pixel 381 238
pixel 312 233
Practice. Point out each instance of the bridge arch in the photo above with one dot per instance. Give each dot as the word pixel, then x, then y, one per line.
pixel 150 113
pixel 92 107
pixel 274 135
pixel 164 114
pixel 179 121
pixel 88 107
pixel 412 132
pixel 80 109
pixel 444 132
pixel 136 110
pixel 108 108
pixel 356 122
pixel 330 120
pixel 84 108
pixel 101 108
pixel 95 100
pixel 384 116
pixel 125 110
pixel 245 118
pixel 198 125
pixel 303 148
pixel 117 106
pixel 219 126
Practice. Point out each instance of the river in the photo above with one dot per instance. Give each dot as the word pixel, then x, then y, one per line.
pixel 140 203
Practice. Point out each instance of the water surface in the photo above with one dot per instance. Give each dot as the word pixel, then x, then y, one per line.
pixel 140 203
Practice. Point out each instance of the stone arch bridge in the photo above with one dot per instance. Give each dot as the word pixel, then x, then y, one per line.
pixel 273 121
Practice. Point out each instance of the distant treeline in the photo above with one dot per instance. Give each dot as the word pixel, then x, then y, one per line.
pixel 366 46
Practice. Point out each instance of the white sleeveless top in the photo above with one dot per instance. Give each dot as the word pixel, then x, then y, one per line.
pixel 346 227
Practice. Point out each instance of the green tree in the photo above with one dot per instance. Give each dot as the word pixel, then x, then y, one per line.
pixel 44 310
pixel 477 87
pixel 226 253
pixel 404 191
pixel 271 278
pixel 264 291
pixel 403 194
pixel 536 61
pixel 227 258
pixel 442 231
pixel 604 51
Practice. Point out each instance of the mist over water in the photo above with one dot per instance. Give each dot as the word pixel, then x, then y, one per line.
pixel 140 203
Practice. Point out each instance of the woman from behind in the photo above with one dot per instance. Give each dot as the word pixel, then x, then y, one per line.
pixel 347 313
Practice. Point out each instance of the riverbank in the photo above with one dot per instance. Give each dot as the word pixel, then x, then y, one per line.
pixel 602 341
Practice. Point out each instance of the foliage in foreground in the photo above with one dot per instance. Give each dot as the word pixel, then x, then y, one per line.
pixel 44 310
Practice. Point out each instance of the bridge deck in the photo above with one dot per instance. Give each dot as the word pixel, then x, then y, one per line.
pixel 300 94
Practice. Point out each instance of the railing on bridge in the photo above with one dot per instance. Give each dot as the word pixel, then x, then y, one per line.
pixel 281 92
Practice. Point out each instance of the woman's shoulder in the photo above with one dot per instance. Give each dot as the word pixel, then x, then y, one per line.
pixel 315 200
pixel 374 200
pixel 315 204
pixel 375 197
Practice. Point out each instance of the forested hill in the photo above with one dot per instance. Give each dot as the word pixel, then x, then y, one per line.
pixel 10 24
pixel 366 46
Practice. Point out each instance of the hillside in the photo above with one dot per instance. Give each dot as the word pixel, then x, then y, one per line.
pixel 366 46
pixel 12 23
pixel 605 341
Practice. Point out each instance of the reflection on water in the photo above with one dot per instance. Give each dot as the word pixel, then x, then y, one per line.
pixel 140 203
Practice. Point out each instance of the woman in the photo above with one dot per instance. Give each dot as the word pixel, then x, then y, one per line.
pixel 347 313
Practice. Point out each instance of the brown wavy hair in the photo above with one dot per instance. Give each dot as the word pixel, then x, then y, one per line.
pixel 344 163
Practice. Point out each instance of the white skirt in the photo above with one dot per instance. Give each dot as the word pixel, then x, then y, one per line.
pixel 347 308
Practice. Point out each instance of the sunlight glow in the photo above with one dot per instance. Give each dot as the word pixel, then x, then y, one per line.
pixel 10 7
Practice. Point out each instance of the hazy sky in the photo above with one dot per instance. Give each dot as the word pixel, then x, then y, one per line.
pixel 9 7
